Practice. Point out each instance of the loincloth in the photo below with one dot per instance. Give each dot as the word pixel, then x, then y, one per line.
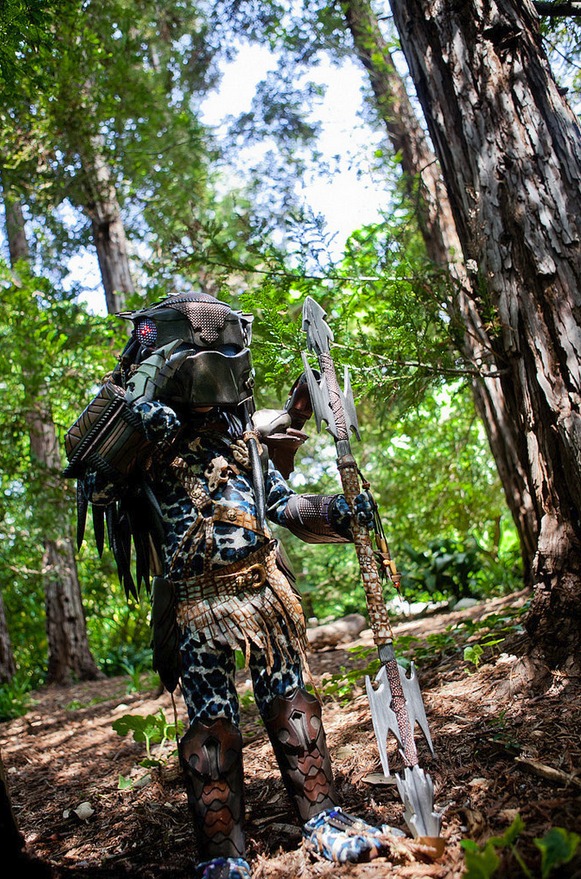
pixel 249 602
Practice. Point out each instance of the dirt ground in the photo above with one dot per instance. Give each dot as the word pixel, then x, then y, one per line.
pixel 504 745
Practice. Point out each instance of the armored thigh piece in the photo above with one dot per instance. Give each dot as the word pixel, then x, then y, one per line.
pixel 296 731
pixel 212 759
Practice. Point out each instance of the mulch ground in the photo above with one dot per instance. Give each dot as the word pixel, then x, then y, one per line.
pixel 505 745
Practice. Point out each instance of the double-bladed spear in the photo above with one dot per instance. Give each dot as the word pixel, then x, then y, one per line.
pixel 395 699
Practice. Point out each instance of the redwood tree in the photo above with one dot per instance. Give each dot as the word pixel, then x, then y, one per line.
pixel 510 151
pixel 426 189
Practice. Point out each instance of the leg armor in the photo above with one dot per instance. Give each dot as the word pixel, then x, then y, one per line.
pixel 211 756
pixel 296 731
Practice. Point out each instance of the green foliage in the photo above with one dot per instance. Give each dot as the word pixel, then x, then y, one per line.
pixel 473 653
pixel 15 698
pixel 557 847
pixel 341 685
pixel 24 24
pixel 444 568
pixel 449 568
pixel 424 451
pixel 140 677
pixel 483 861
pixel 56 353
pixel 151 729
pixel 474 640
pixel 122 84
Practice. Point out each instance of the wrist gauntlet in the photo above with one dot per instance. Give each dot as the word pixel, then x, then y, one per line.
pixel 310 517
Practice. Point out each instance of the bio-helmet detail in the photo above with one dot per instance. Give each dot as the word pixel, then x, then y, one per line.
pixel 218 369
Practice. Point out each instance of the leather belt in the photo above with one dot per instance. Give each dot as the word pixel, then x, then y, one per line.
pixel 248 574
pixel 238 518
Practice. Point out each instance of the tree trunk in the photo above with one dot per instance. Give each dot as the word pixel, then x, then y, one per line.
pixel 69 655
pixel 510 151
pixel 7 664
pixel 68 645
pixel 102 207
pixel 427 190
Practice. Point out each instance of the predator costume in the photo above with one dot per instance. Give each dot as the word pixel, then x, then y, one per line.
pixel 171 459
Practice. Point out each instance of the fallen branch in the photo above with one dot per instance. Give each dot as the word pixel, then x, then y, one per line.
pixel 549 773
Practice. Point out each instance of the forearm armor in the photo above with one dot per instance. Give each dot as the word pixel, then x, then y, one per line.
pixel 108 437
pixel 310 517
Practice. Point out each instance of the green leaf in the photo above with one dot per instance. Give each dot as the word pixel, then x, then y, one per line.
pixel 149 728
pixel 124 783
pixel 149 762
pixel 558 846
pixel 473 654
pixel 480 863
pixel 510 835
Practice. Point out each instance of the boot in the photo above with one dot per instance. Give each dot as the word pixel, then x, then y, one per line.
pixel 296 732
pixel 212 760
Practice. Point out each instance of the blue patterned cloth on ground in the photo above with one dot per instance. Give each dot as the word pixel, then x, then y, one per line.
pixel 223 868
pixel 341 837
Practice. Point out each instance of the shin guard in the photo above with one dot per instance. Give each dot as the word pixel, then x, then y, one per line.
pixel 296 731
pixel 212 760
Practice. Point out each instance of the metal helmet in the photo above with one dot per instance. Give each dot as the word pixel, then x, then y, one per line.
pixel 218 372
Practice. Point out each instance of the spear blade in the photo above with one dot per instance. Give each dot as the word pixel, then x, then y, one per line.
pixel 319 333
pixel 416 790
pixel 383 716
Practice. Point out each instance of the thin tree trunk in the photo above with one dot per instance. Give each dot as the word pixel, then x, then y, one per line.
pixel 102 207
pixel 69 654
pixel 68 645
pixel 510 150
pixel 426 188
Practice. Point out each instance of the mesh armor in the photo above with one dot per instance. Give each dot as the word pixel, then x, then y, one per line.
pixel 309 516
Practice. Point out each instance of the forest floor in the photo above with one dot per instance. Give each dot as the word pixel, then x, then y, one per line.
pixel 505 745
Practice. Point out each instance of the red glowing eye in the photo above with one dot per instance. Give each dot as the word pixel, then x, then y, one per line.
pixel 146 332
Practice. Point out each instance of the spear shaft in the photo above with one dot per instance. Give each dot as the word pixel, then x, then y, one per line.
pixel 378 615
pixel 396 702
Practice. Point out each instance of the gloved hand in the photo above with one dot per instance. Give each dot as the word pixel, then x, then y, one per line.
pixel 363 505
pixel 341 515
pixel 159 421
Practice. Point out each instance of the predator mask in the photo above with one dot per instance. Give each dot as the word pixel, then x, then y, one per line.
pixel 218 371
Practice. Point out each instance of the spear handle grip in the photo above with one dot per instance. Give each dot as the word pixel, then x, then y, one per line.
pixel 347 466
pixel 378 616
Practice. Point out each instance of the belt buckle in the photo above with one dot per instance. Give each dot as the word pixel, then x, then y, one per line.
pixel 261 578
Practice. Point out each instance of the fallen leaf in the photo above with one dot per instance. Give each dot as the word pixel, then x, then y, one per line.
pixel 378 778
pixel 84 811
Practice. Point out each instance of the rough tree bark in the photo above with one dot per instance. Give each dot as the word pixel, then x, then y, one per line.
pixel 427 190
pixel 69 655
pixel 510 151
pixel 68 645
